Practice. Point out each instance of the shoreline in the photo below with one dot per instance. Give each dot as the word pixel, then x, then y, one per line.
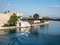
pixel 12 27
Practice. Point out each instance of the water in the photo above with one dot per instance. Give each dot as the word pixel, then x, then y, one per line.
pixel 38 35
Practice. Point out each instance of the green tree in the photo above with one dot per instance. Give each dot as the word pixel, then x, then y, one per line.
pixel 5 12
pixel 36 16
pixel 46 17
pixel 8 11
pixel 30 17
pixel 5 25
pixel 13 20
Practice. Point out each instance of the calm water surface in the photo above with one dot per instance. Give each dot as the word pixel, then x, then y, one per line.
pixel 38 35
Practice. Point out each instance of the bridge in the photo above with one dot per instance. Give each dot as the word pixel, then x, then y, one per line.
pixel 52 19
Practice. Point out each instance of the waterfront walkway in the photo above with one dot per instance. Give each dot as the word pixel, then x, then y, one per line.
pixel 3 28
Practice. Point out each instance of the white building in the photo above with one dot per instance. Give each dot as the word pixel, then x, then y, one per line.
pixel 23 23
pixel 36 21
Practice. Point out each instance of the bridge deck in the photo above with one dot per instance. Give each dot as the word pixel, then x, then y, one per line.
pixel 43 19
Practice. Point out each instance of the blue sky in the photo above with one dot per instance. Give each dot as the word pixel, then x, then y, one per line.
pixel 30 7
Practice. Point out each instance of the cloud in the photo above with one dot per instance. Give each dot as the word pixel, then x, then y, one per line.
pixel 9 5
pixel 56 6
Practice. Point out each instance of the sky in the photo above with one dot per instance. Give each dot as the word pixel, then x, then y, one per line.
pixel 30 7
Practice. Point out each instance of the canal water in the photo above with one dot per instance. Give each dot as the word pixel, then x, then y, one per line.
pixel 37 35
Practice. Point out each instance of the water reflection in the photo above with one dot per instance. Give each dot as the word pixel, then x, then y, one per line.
pixel 13 36
pixel 44 26
pixel 8 31
pixel 35 30
pixel 12 31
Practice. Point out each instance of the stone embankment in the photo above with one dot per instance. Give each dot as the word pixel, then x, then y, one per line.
pixel 2 28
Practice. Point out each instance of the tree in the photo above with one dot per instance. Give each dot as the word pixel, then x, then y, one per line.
pixel 5 25
pixel 36 16
pixel 30 17
pixel 5 12
pixel 8 11
pixel 46 17
pixel 13 20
